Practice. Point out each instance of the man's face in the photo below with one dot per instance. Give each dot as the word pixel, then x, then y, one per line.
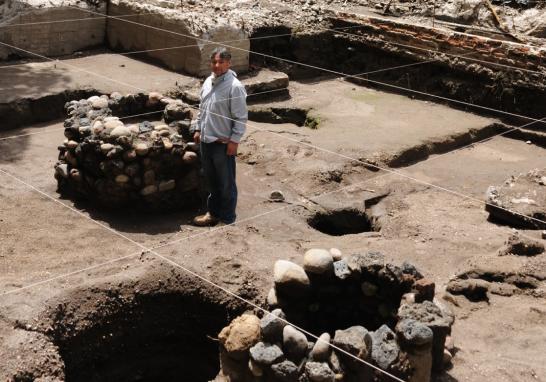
pixel 219 66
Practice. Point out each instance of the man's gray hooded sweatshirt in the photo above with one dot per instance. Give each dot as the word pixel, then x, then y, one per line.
pixel 222 113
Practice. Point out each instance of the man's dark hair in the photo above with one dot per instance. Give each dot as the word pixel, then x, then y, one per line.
pixel 222 51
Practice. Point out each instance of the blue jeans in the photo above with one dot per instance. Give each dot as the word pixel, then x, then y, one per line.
pixel 219 171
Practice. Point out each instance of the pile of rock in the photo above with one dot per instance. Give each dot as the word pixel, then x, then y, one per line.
pixel 520 201
pixel 146 164
pixel 360 308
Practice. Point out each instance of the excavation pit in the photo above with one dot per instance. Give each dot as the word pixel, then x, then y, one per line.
pixel 159 333
pixel 341 222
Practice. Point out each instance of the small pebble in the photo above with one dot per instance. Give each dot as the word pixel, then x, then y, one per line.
pixel 276 196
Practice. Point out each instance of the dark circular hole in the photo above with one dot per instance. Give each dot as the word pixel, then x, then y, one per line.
pixel 341 222
pixel 155 337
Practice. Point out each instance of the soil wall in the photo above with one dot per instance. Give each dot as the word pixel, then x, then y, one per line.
pixel 54 39
pixel 193 58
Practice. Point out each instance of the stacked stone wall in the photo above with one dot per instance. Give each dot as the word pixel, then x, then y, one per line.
pixel 364 312
pixel 144 165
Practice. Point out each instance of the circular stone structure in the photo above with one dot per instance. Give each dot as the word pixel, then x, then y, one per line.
pixel 361 310
pixel 151 165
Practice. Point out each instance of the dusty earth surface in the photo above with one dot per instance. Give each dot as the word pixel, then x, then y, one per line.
pixel 53 251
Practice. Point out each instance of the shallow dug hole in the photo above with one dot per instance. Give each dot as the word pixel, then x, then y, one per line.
pixel 159 334
pixel 341 222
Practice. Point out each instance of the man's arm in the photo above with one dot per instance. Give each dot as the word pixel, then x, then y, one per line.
pixel 239 113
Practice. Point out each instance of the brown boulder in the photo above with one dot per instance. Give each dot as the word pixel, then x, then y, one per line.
pixel 241 334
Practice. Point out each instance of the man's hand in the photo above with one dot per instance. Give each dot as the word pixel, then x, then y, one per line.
pixel 232 148
pixel 197 137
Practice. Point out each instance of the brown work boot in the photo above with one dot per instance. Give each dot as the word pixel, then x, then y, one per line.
pixel 206 220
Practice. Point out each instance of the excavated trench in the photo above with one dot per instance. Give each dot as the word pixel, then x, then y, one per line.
pixel 353 56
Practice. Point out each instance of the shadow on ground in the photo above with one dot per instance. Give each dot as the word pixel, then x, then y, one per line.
pixel 28 81
pixel 133 220
pixel 11 150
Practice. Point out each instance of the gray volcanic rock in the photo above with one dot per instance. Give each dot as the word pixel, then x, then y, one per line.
pixel 432 316
pixel 265 354
pixel 286 371
pixel 414 332
pixel 385 347
pixel 319 372
pixel 370 262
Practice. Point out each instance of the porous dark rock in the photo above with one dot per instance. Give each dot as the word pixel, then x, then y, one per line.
pixel 410 269
pixel 319 372
pixel 285 371
pixel 385 347
pixel 437 320
pixel 414 333
pixel 266 354
pixel 355 340
pixel 370 262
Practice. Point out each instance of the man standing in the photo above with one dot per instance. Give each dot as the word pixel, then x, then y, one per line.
pixel 221 123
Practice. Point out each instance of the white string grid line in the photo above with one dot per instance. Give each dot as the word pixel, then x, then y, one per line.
pixel 417 24
pixel 321 69
pixel 227 291
pixel 69 20
pixel 173 263
pixel 338 29
pixel 197 275
pixel 441 52
pixel 312 199
pixel 187 270
pixel 318 148
pixel 389 171
pixel 226 99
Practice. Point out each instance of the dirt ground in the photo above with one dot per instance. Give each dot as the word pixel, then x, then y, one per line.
pixel 441 232
pixel 39 79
